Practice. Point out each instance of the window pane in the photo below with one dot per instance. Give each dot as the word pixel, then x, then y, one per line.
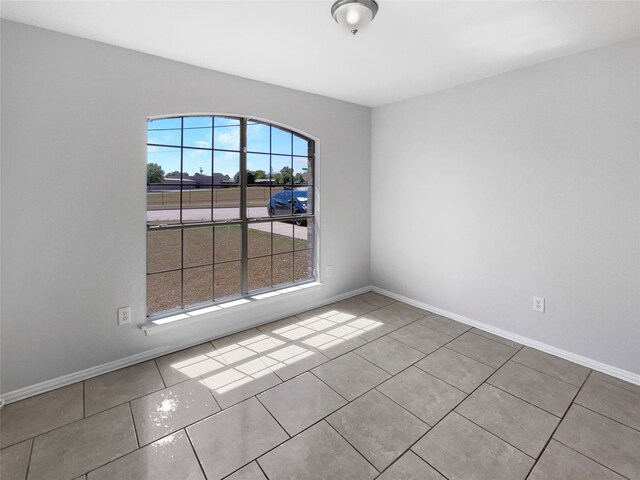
pixel 226 203
pixel 198 285
pixel 197 132
pixel 164 131
pixel 226 280
pixel 163 206
pixel 282 172
pixel 258 137
pixel 226 134
pixel 285 203
pixel 282 237
pixel 260 164
pixel 198 246
pixel 258 198
pixel 226 192
pixel 196 205
pixel 303 265
pixel 163 291
pixel 300 146
pixel 197 164
pixel 228 242
pixel 258 184
pixel 163 165
pixel 259 239
pixel 259 273
pixel 282 269
pixel 301 171
pixel 163 250
pixel 280 141
pixel 226 166
pixel 304 235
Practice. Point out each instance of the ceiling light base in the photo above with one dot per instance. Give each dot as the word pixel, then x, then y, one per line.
pixel 354 14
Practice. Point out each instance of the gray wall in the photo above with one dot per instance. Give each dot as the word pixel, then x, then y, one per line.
pixel 527 183
pixel 73 249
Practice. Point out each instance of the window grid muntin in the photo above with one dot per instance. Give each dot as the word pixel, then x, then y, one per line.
pixel 244 219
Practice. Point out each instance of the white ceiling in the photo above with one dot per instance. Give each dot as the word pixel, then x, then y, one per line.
pixel 411 48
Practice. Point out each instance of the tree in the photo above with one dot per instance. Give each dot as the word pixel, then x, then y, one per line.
pixel 251 177
pixel 299 178
pixel 285 176
pixel 260 174
pixel 155 173
pixel 174 174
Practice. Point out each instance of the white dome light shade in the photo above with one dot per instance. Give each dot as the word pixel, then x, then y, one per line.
pixel 354 14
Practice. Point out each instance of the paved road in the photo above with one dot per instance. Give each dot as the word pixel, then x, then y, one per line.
pixel 202 214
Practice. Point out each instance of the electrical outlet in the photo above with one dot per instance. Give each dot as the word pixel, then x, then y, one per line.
pixel 538 304
pixel 329 270
pixel 124 315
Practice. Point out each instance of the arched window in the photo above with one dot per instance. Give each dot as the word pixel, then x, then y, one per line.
pixel 230 210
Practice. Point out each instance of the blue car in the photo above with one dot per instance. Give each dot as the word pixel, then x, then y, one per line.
pixel 287 203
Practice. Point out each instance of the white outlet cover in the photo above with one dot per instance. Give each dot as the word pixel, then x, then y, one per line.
pixel 538 304
pixel 124 315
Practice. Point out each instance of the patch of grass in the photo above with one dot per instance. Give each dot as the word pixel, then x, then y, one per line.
pixel 212 264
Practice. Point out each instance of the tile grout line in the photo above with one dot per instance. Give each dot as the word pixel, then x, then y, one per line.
pixel 414 364
pixel 496 435
pixel 114 459
pixel 261 469
pixel 352 446
pixel 510 345
pixel 333 389
pixel 613 384
pixel 442 380
pixel 193 449
pixel 33 441
pixel 403 408
pixel 588 457
pixel 548 374
pixel 135 430
pixel 376 388
pixel 271 414
pixel 445 416
pixel 474 359
pixel 579 387
pixel 556 429
pixel 526 401
pixel 602 415
pixel 155 361
pixel 306 428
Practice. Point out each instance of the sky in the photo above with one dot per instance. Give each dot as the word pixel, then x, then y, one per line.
pixel 199 132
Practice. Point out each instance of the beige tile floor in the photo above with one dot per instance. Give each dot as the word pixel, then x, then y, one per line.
pixel 364 388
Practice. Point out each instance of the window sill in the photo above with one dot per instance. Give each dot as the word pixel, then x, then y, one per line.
pixel 158 325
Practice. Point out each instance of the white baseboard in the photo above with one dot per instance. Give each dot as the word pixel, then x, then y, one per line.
pixel 558 352
pixel 82 375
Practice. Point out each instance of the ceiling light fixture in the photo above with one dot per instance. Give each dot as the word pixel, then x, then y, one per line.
pixel 354 14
